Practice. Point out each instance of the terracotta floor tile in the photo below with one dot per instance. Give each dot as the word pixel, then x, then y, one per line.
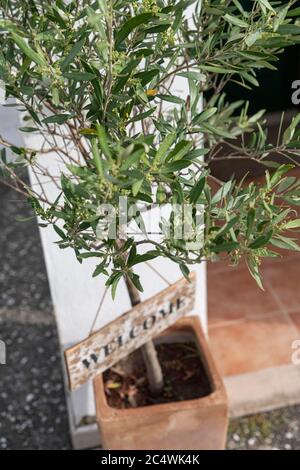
pixel 252 344
pixel 295 317
pixel 233 295
pixel 284 279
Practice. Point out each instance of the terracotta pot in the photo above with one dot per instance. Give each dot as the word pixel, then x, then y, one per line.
pixel 198 424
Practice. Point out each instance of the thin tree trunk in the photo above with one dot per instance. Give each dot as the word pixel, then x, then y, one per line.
pixel 153 368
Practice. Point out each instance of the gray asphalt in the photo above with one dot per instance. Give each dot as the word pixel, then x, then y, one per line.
pixel 32 402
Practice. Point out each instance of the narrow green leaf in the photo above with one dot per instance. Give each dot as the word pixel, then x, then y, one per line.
pixel 164 147
pixel 73 53
pixel 28 51
pixel 97 158
pixel 80 76
pixel 196 191
pixel 222 192
pixel 130 25
pixel 103 142
pixel 235 21
pixel 261 241
pixel 57 119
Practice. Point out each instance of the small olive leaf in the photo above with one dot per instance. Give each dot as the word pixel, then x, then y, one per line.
pixel 196 191
pixel 185 271
pixel 204 115
pixel 234 20
pixel 132 255
pixel 222 192
pixel 225 247
pixel 103 141
pixel 132 159
pixel 164 147
pixel 130 25
pixel 228 226
pixel 261 240
pixel 290 131
pixel 73 53
pixel 59 232
pixel 267 5
pixel 278 174
pixel 115 283
pixel 57 118
pixel 136 281
pixel 285 243
pixel 28 51
pixel 175 166
pixel 171 99
pixel 145 257
pixel 137 186
pixel 250 222
pixel 80 76
pixel 254 271
pixel 295 223
pixel 97 158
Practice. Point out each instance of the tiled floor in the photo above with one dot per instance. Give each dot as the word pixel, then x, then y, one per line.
pixel 250 329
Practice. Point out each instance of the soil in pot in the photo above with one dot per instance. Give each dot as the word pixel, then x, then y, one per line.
pixel 185 377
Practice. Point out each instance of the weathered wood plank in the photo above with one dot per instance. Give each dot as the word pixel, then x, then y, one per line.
pixel 127 333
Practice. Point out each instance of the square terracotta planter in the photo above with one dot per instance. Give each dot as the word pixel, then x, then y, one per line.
pixel 198 424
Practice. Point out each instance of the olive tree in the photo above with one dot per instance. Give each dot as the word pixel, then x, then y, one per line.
pixel 96 80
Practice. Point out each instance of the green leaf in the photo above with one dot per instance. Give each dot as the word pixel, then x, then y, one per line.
pixel 277 175
pixel 261 241
pixel 114 284
pixel 28 51
pixel 196 191
pixel 204 115
pixel 28 129
pixel 99 270
pixel 73 53
pixel 217 131
pixel 137 186
pixel 185 270
pixel 235 21
pixel 141 116
pixel 266 4
pixel 225 247
pixel 164 147
pixel 222 192
pixel 285 243
pixel 228 226
pixel 103 141
pixel 295 223
pixel 97 158
pixel 250 222
pixel 171 99
pixel 136 281
pixel 254 271
pixel 80 76
pixel 130 25
pixel 175 166
pixel 143 258
pixel 57 118
pixel 131 256
pixel 132 159
pixel 60 232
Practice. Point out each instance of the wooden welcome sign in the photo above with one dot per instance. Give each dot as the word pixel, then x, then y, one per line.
pixel 106 347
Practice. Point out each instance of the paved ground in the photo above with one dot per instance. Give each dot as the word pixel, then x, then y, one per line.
pixel 32 402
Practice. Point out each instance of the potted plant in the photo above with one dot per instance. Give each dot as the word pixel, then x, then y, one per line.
pixel 98 82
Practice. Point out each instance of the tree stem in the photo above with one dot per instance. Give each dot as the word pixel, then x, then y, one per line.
pixel 153 368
